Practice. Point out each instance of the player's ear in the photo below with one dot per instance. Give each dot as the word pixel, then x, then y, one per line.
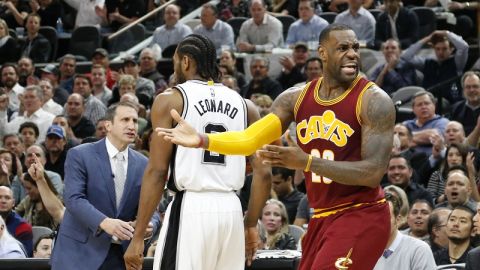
pixel 322 52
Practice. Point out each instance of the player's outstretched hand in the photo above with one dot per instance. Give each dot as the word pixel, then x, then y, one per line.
pixel 251 244
pixel 290 156
pixel 133 257
pixel 183 134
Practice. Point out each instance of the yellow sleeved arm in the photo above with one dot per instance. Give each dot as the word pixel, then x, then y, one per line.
pixel 247 141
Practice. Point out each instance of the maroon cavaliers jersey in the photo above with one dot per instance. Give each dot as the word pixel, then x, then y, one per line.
pixel 331 129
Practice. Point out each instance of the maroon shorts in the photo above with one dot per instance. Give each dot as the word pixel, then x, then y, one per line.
pixel 362 230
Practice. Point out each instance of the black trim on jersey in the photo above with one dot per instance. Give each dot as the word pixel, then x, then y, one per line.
pixel 169 256
pixel 185 100
pixel 245 112
pixel 171 185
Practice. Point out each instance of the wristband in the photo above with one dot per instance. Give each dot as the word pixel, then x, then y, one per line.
pixel 309 163
pixel 202 141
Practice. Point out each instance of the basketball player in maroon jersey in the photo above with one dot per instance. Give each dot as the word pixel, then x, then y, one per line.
pixel 344 137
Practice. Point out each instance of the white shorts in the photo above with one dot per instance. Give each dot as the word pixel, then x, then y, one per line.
pixel 210 233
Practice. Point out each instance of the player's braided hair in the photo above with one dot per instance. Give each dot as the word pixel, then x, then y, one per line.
pixel 202 50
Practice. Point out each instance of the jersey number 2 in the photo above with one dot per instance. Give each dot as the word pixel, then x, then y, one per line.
pixel 327 154
pixel 212 157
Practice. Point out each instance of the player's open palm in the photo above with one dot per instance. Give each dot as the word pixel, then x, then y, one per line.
pixel 183 134
pixel 290 156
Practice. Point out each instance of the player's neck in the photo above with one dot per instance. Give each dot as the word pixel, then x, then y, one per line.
pixel 331 89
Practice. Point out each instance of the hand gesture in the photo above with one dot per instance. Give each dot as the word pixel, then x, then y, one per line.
pixel 183 134
pixel 251 244
pixel 114 15
pixel 117 228
pixel 133 257
pixel 470 162
pixel 290 156
pixel 392 61
pixel 101 11
pixel 36 170
pixel 438 145
pixel 455 6
pixel 3 168
pixel 287 63
pixel 3 102
pixel 245 47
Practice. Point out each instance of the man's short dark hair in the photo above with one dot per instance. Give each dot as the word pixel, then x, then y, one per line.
pixel 6 136
pixel 12 65
pixel 396 203
pixel 434 220
pixel 284 172
pixel 409 165
pixel 464 208
pixel 422 201
pixel 424 93
pixel 212 7
pixel 83 76
pixel 29 125
pixel 332 27
pixel 45 236
pixel 314 59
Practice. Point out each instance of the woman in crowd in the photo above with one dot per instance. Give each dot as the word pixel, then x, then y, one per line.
pixel 8 167
pixel 227 58
pixel 404 208
pixel 10 248
pixel 8 45
pixel 275 222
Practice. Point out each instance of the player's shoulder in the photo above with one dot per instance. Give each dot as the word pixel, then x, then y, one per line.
pixel 377 93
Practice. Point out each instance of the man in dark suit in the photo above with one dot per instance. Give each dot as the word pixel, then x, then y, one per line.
pixel 473 256
pixel 102 188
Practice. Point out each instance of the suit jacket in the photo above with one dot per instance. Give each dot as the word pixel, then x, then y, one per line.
pixel 473 259
pixel 89 198
pixel 406 25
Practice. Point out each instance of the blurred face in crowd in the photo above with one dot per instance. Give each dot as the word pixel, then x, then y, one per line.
pixel 459 226
pixel 390 49
pixel 100 129
pixel 28 136
pixel 457 188
pixel 99 59
pixel 439 232
pixel 25 67
pixel 55 144
pixel 471 90
pixel 131 69
pixel 30 154
pixel 402 132
pixel 81 86
pixel 6 158
pixel 418 218
pixel 9 77
pixel 355 4
pixel 32 25
pixel 454 132
pixel 123 129
pixel 423 108
pixel 67 67
pixel 257 11
pixel 272 218
pixel 281 186
pixel 313 70
pixel 476 221
pixel 126 88
pixel 61 121
pixel 3 30
pixel 391 6
pixel 31 101
pixel 454 157
pixel 258 69
pixel 13 144
pixel 305 10
pixel 6 200
pixel 398 172
pixel 172 15
pixel 147 61
pixel 75 106
pixel 227 59
pixel 300 55
pixel 98 77
pixel 32 191
pixel 443 50
pixel 47 89
pixel 44 249
pixel 208 17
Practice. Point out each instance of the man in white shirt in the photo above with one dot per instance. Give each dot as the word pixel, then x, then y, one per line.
pixel 48 104
pixel 173 31
pixel 89 12
pixel 9 74
pixel 360 20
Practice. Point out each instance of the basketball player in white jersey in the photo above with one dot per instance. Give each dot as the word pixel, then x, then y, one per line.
pixel 204 227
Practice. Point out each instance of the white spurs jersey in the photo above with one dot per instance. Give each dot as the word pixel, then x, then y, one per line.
pixel 209 108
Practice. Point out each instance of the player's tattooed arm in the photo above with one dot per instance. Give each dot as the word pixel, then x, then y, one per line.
pixel 283 106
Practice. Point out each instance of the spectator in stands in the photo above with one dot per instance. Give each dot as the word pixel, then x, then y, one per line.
pixel 51 73
pixel 458 191
pixel 56 151
pixel 89 12
pixel 426 122
pixel 281 7
pixel 10 248
pixel 459 228
pixel 399 173
pixel 262 32
pixel 173 31
pixel 8 45
pixel 230 82
pixel 49 105
pixel 13 89
pixel 13 142
pixel 275 221
pixel 25 69
pixel 403 251
pixel 32 101
pixel 313 69
pixel 29 132
pixel 148 70
pixel 437 228
pixel 468 111
pixel 473 256
pixel 308 27
pixel 227 58
pixel 99 80
pixel 48 10
pixel 218 31
pixel 441 72
pixel 16 225
pixel 418 219
pixel 100 129
pixel 126 84
pixel 397 23
pixel 304 213
pixel 144 88
pixel 43 247
pixel 94 108
pixel 100 57
pixel 14 12
pixel 360 20
pixel 261 82
pixel 68 64
pixel 282 184
pixel 36 46
pixel 395 73
pixel 81 126
pixel 233 8
pixel 72 140
pixel 8 167
pixel 293 67
pixel 404 207
pixel 121 13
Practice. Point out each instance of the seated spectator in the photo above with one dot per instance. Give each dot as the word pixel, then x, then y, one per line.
pixel 275 221
pixel 51 74
pixel 230 82
pixel 67 67
pixel 26 69
pixel 313 70
pixel 72 140
pixel 262 32
pixel 100 57
pixel 459 228
pixel 403 251
pixel 8 167
pixel 395 73
pixel 227 58
pixel 13 143
pixel 36 46
pixel 173 31
pixel 397 23
pixel 121 13
pixel 48 10
pixel 49 105
pixel 55 148
pixel 458 191
pixel 218 31
pixel 233 8
pixel 263 103
pixel 99 84
pixel 418 220
pixel 437 228
pixel 261 82
pixel 445 66
pixel 11 86
pixel 467 111
pixel 148 70
pixel 94 108
pixel 80 125
pixel 426 123
pixel 17 227
pixel 360 20
pixel 282 184
pixel 473 256
pixel 8 45
pixel 43 247
pixel 14 12
pixel 404 207
pixel 89 12
pixel 126 84
pixel 293 68
pixel 10 248
pixel 29 132
pixel 308 27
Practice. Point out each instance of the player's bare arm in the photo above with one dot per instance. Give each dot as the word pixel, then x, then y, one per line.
pixel 155 174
